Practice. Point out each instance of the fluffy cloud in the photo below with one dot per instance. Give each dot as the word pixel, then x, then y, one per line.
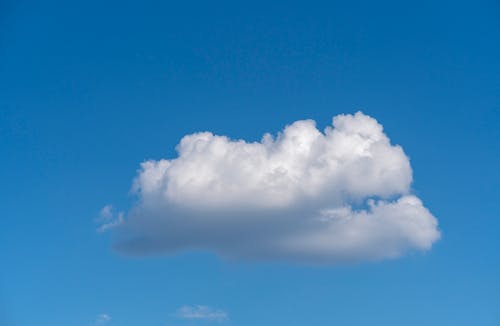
pixel 201 313
pixel 304 195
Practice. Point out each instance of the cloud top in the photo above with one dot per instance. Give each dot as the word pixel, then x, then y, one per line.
pixel 338 195
pixel 352 160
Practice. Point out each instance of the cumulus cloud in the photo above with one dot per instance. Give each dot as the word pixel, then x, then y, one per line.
pixel 199 312
pixel 303 195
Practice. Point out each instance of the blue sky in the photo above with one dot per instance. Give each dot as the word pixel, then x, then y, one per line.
pixel 90 90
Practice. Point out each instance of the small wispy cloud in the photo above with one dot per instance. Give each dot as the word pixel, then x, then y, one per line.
pixel 200 312
pixel 108 219
pixel 106 212
pixel 102 319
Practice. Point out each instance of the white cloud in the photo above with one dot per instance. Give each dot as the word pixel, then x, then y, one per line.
pixel 304 195
pixel 201 313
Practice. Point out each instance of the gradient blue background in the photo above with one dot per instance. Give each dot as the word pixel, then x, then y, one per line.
pixel 89 89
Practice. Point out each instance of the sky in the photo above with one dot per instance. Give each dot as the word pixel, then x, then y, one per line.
pixel 139 187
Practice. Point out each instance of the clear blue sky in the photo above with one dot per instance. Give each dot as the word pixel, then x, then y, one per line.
pixel 90 89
